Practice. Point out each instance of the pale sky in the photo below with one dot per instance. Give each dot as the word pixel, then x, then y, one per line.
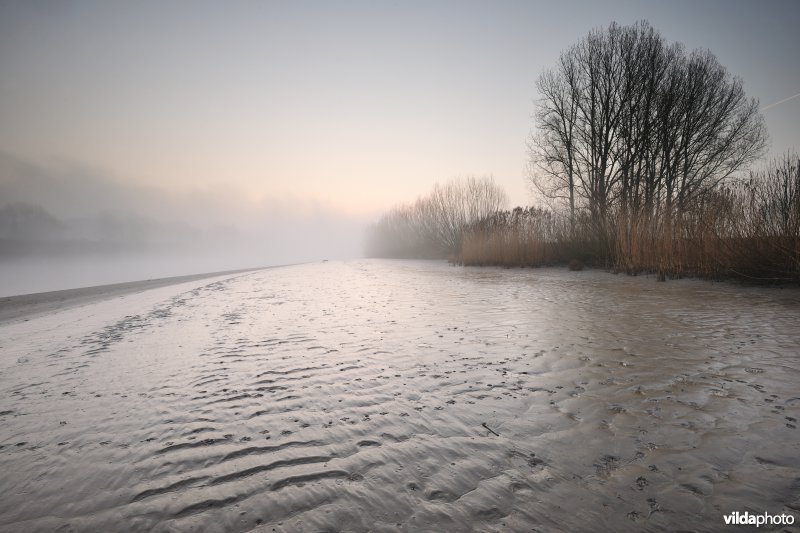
pixel 354 106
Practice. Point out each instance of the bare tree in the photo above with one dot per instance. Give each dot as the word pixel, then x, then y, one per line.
pixel 627 120
pixel 553 150
pixel 721 129
pixel 434 225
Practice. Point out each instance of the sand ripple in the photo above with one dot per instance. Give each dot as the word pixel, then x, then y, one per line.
pixel 410 396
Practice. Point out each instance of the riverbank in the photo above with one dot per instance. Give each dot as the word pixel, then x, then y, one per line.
pixel 700 246
pixel 27 306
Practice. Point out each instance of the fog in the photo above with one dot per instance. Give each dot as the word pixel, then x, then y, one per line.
pixel 64 225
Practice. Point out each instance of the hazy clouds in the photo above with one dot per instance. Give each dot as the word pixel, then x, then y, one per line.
pixel 358 104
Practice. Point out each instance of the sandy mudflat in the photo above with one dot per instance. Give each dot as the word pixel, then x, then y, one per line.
pixel 403 396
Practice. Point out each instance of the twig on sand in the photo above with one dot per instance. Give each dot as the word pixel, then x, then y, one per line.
pixel 490 430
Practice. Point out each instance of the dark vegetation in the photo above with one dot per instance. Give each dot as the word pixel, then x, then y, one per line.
pixel 640 157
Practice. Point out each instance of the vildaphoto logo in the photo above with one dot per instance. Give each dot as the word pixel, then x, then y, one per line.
pixel 749 519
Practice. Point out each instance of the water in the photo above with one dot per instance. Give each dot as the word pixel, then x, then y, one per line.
pixel 403 396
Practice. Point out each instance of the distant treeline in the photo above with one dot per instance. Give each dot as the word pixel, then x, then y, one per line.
pixel 433 226
pixel 638 154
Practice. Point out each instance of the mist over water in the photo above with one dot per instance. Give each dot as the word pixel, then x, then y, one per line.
pixel 64 225
pixel 403 396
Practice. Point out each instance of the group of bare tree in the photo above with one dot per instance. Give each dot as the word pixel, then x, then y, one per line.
pixel 640 148
pixel 433 226
pixel 630 123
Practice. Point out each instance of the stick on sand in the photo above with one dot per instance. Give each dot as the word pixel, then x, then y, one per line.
pixel 490 429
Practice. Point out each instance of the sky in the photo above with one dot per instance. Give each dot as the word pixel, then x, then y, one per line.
pixel 354 106
pixel 266 116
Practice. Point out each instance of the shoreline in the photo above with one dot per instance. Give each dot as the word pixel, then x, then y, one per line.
pixel 658 275
pixel 25 306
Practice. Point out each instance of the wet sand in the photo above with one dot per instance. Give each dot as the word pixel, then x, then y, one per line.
pixel 404 396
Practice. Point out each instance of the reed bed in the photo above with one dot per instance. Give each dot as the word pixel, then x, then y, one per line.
pixel 747 229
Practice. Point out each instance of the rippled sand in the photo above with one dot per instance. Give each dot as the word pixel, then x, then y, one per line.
pixel 410 396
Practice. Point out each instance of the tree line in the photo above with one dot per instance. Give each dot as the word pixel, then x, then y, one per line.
pixel 747 228
pixel 433 226
pixel 640 155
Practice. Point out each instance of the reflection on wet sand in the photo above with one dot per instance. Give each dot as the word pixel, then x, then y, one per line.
pixel 412 396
